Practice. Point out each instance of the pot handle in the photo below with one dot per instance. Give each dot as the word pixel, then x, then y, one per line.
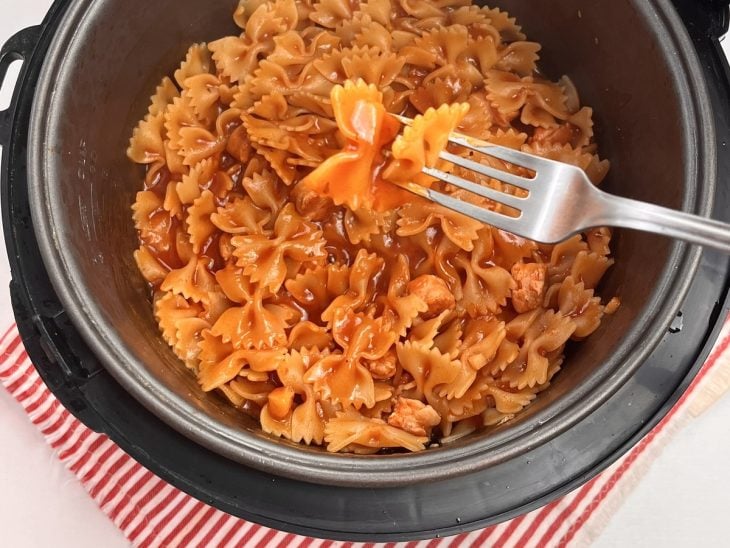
pixel 20 46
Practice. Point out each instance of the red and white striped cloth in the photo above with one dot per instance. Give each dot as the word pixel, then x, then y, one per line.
pixel 151 513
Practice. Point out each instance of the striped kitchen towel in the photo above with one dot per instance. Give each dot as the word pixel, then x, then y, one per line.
pixel 152 513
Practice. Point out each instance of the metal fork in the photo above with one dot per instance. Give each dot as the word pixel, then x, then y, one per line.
pixel 561 200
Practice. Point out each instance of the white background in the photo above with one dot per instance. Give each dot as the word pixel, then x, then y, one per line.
pixel 682 501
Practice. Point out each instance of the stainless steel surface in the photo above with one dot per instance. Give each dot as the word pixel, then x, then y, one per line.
pixel 561 200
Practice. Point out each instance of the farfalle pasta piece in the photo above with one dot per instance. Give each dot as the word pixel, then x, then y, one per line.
pixel 277 159
pixel 244 10
pixel 170 309
pixel 476 19
pixel 156 228
pixel 519 58
pixel 235 285
pixel 429 368
pixel 197 61
pixel 589 268
pixel 255 324
pixel 363 31
pixel 352 429
pixel 200 175
pixel 197 144
pixel 509 402
pixel 179 115
pixel 451 52
pixel 151 269
pixel 172 203
pixel 483 117
pixel 362 335
pixel 547 334
pixel 422 142
pixel 309 335
pixel 538 103
pixel 314 288
pixel 203 91
pixel 460 386
pixel 578 303
pixel 370 64
pixel 193 281
pixel 251 391
pixel 299 422
pixel 341 377
pixel 563 256
pixel 582 124
pixel 146 145
pixel 445 90
pixel 236 57
pixel 308 138
pixel 402 304
pixel 271 77
pixel 200 226
pixel 240 216
pixel 599 240
pixel 265 191
pixel 438 47
pixel 175 163
pixel 595 168
pixel 292 50
pixel 244 362
pixel 188 334
pixel 330 13
pixel 362 224
pixel 342 380
pixel 449 338
pixel 265 259
pixel 164 94
pixel 347 177
pixel 362 284
pixel 470 404
pixel 482 340
pixel 418 215
pixel 146 205
pixel 421 10
pixel 507 26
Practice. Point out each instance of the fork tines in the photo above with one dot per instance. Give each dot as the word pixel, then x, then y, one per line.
pixel 509 155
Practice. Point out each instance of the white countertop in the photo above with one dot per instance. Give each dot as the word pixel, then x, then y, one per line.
pixel 682 500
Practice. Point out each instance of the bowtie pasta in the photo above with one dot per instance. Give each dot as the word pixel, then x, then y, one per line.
pixel 290 274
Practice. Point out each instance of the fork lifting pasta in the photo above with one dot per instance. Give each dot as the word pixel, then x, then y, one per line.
pixel 291 275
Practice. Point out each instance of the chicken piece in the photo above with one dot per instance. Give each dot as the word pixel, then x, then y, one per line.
pixel 559 135
pixel 383 368
pixel 434 292
pixel 414 417
pixel 239 145
pixel 612 306
pixel 530 278
pixel 280 402
pixel 310 204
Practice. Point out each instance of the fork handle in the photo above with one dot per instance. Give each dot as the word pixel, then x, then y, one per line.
pixel 626 213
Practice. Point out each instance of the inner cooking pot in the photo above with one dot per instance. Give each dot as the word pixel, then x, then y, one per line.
pixel 630 59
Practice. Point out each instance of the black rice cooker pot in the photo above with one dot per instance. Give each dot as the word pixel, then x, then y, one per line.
pixel 655 74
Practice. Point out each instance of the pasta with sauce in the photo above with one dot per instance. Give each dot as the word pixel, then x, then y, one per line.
pixel 288 271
